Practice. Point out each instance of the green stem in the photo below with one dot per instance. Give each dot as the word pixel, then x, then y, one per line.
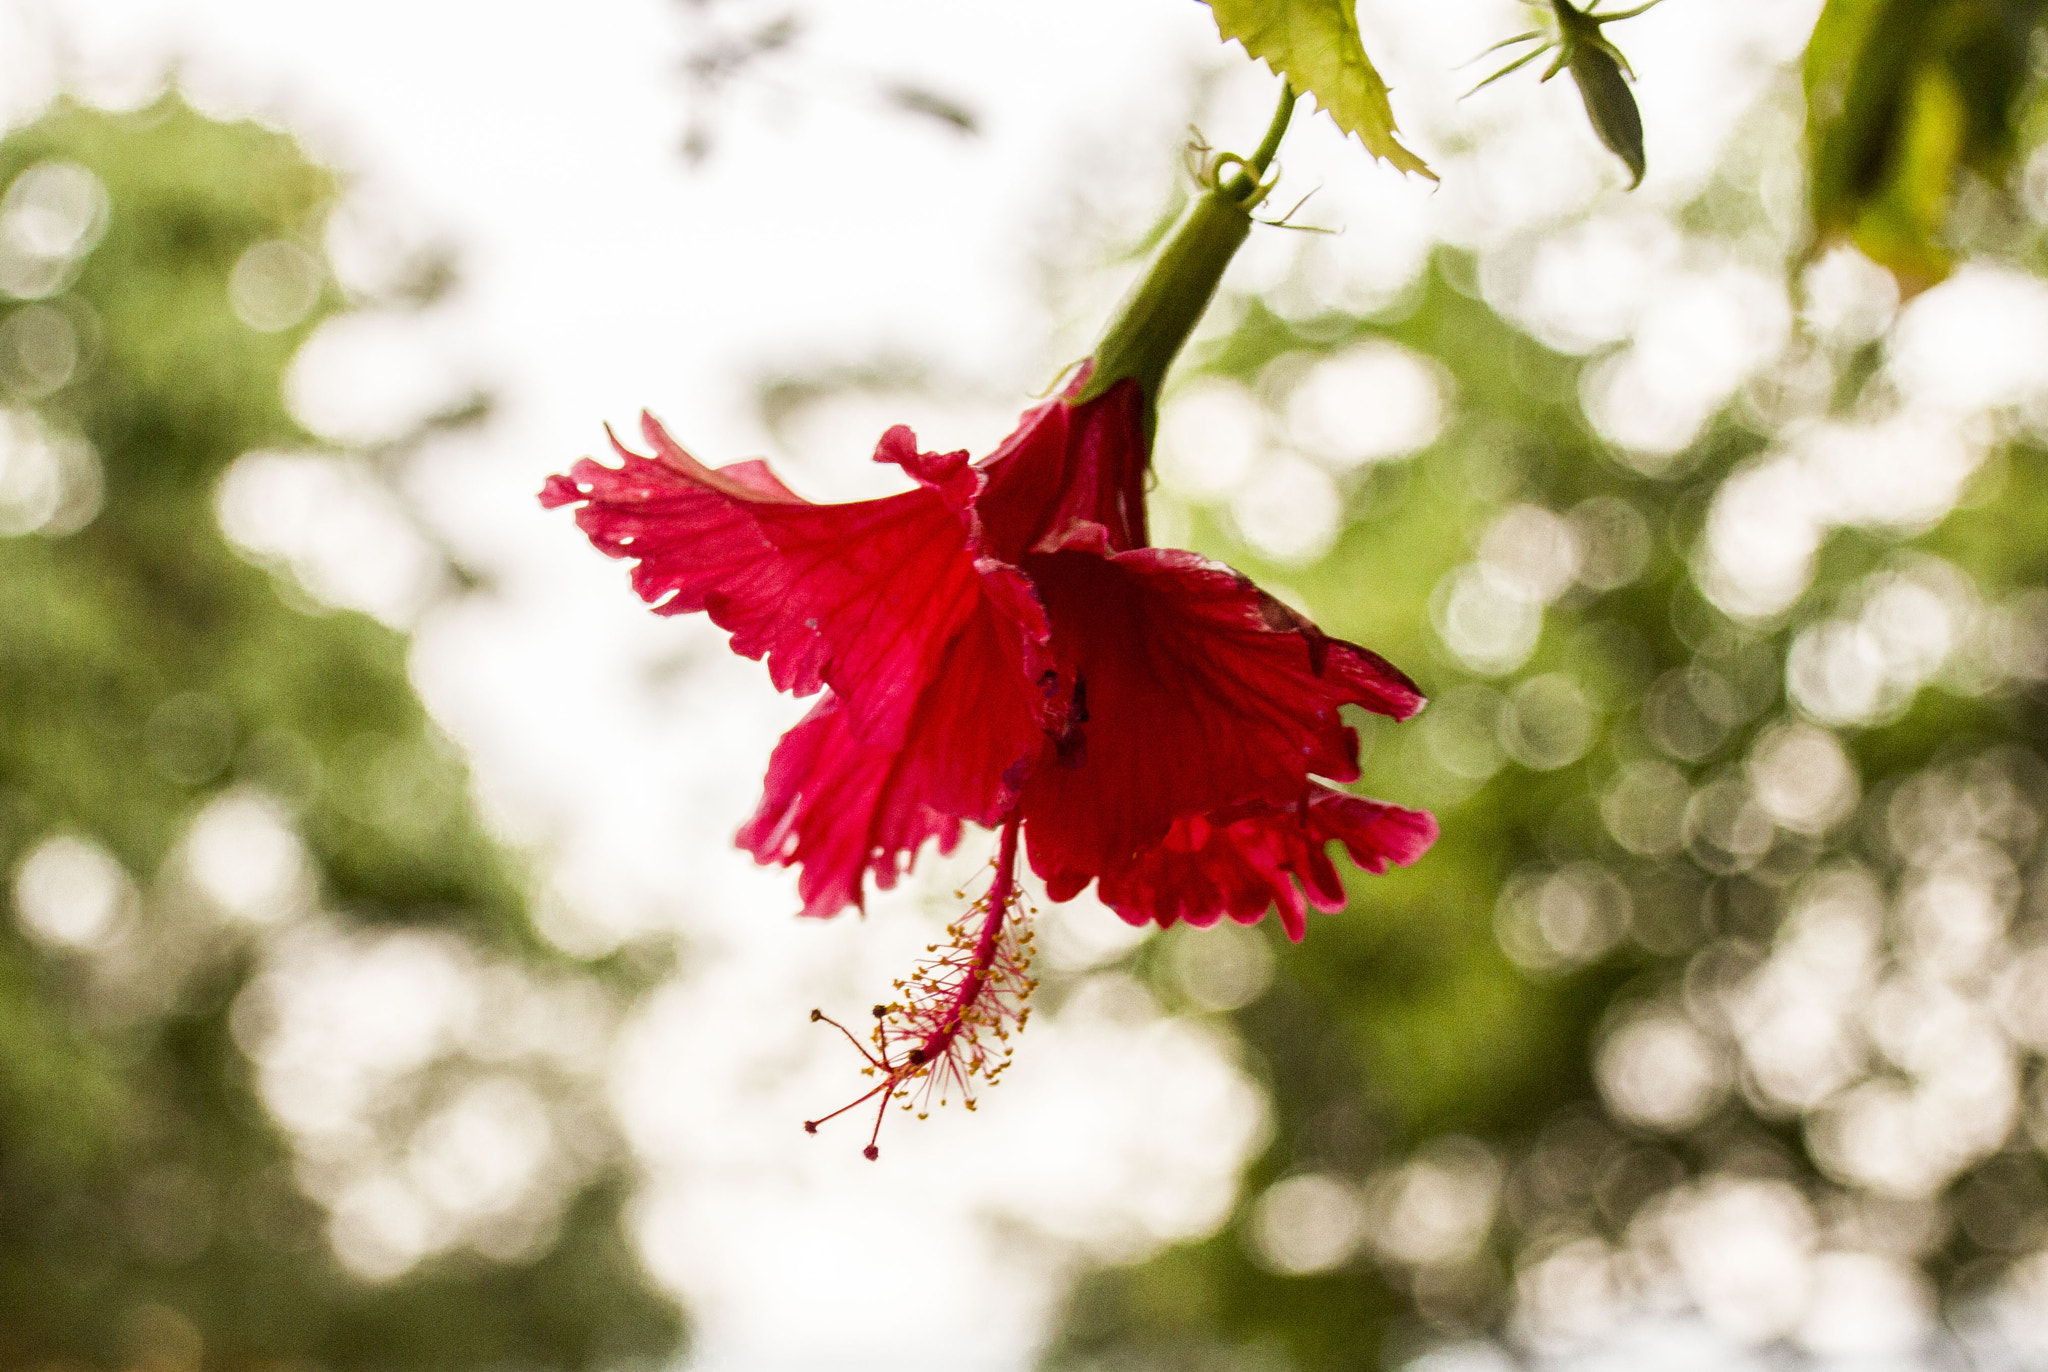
pixel 1262 157
pixel 1155 319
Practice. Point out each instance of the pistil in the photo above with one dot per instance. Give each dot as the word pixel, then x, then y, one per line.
pixel 968 990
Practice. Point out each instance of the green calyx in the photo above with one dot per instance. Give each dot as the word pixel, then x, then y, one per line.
pixel 1161 311
pixel 1596 65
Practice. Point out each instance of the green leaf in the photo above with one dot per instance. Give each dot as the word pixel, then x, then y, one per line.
pixel 1901 97
pixel 1315 45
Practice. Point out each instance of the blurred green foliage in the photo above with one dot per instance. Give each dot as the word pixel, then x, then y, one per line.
pixel 1903 98
pixel 1403 1025
pixel 148 1214
pixel 1402 1019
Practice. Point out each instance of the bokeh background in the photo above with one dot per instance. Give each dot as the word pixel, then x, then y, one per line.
pixel 379 988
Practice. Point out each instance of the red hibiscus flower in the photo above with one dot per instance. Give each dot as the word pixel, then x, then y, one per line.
pixel 1000 645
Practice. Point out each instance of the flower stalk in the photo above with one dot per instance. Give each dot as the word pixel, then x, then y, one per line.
pixel 1149 328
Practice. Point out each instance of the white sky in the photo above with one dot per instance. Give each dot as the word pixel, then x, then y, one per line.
pixel 600 276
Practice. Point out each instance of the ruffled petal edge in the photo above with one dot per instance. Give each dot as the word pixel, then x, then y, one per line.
pixel 1241 864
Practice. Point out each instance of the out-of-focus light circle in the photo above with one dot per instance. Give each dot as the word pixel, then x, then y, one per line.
pixel 1290 512
pixel 190 737
pixel 1435 1209
pixel 1658 1070
pixel 1866 1305
pixel 380 1227
pixel 380 244
pixel 243 853
pixel 1954 915
pixel 1461 730
pixel 1586 283
pixel 1687 712
pixel 1384 247
pixel 1548 723
pixel 1614 542
pixel 1796 1017
pixel 334 1019
pixel 1836 673
pixel 1211 435
pixel 1371 401
pixel 1082 933
pixel 483 1151
pixel 1621 397
pixel 1573 1292
pixel 1763 530
pixel 1530 552
pixel 1701 333
pixel 1308 1223
pixel 1905 472
pixel 1490 628
pixel 274 285
pixel 1913 624
pixel 1849 299
pixel 2019 1307
pixel 39 351
pixel 1726 831
pixel 1803 777
pixel 1977 340
pixel 1644 807
pixel 1903 1140
pixel 49 483
pixel 31 481
pixel 1798 1041
pixel 1745 1252
pixel 72 893
pixel 2014 636
pixel 50 218
pixel 1835 925
pixel 2022 998
pixel 1547 921
pixel 1222 968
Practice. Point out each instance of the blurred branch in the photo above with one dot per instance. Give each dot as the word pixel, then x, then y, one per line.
pixel 732 44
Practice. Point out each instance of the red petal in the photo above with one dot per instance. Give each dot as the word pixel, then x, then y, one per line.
pixel 1204 869
pixel 1068 465
pixel 886 586
pixel 867 597
pixel 698 547
pixel 841 808
pixel 1196 693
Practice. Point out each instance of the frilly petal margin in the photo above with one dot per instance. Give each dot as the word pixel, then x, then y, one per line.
pixel 888 602
pixel 697 546
pixel 863 597
pixel 1263 857
pixel 843 809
